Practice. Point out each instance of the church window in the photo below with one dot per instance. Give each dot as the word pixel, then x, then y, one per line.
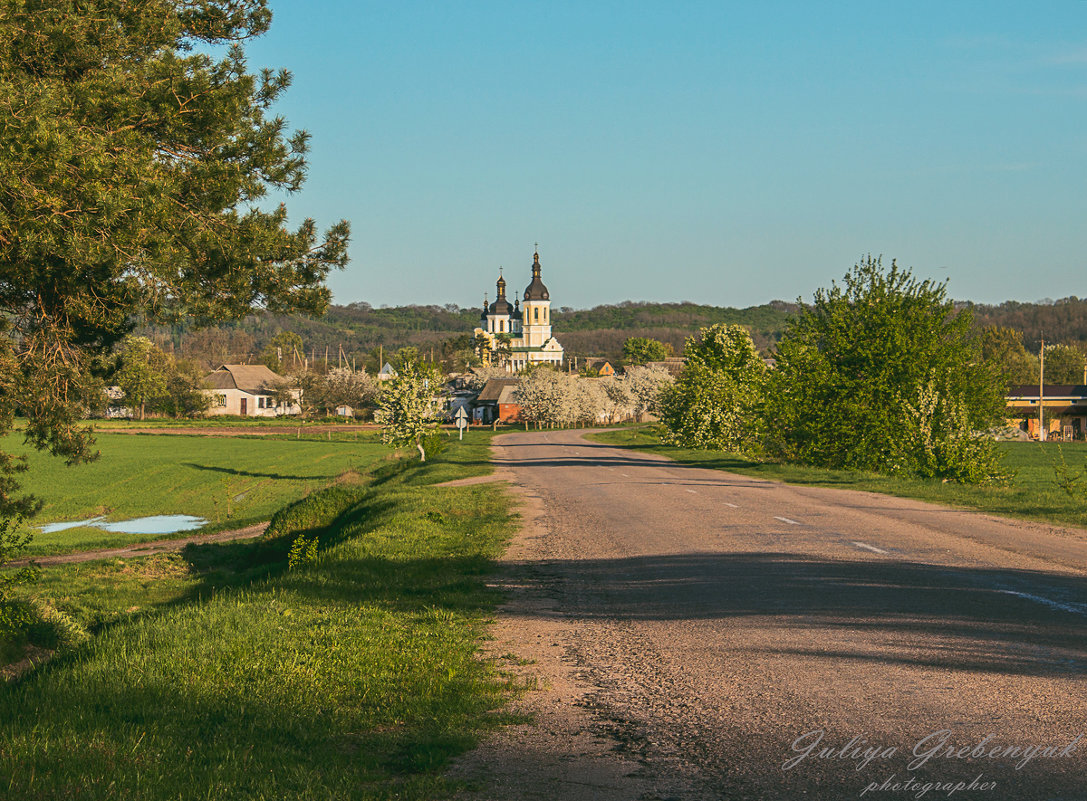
pixel 536 315
pixel 501 325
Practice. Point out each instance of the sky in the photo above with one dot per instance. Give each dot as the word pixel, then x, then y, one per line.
pixel 721 153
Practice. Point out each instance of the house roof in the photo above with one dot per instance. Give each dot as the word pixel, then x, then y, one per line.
pixel 252 378
pixel 673 364
pixel 1051 391
pixel 492 390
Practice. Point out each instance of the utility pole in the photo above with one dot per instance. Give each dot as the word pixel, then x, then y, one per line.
pixel 1041 393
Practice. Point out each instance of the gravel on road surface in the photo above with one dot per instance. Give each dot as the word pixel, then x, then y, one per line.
pixel 703 635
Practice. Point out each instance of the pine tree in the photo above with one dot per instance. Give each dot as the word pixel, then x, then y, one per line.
pixel 133 171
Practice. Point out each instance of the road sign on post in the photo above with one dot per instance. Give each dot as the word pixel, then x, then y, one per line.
pixel 461 419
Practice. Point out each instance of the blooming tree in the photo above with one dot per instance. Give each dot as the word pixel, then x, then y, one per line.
pixel 645 385
pixel 407 410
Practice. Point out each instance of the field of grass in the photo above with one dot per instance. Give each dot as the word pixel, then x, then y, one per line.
pixel 220 673
pixel 229 481
pixel 217 421
pixel 1032 493
pixel 227 421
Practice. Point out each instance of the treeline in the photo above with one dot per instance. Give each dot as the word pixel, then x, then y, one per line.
pixel 364 336
pixel 1059 321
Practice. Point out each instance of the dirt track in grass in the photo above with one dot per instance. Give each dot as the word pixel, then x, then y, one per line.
pixel 147 548
pixel 241 431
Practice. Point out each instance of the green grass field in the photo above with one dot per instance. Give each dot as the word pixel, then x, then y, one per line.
pixel 219 673
pixel 1032 493
pixel 229 481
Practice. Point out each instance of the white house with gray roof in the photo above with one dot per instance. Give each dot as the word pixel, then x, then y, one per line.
pixel 246 390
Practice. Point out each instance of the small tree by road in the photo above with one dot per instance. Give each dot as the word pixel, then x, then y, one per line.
pixel 142 373
pixel 1064 364
pixel 715 402
pixel 546 396
pixel 646 385
pixel 407 410
pixel 1002 348
pixel 639 350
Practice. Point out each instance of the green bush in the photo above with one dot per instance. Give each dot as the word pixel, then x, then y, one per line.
pixel 15 616
pixel 303 551
pixel 315 512
pixel 884 374
pixel 714 404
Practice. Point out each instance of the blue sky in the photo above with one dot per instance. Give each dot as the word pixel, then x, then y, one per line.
pixel 715 152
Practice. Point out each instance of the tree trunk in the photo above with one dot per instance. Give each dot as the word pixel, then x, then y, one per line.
pixel 422 453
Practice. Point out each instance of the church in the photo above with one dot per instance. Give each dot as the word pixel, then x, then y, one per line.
pixel 525 326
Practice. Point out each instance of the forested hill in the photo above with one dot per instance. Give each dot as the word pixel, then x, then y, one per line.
pixel 366 333
pixel 1059 321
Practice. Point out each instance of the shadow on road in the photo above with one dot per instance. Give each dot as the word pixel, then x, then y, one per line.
pixel 1007 621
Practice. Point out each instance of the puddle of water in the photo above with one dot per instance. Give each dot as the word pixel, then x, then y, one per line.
pixel 156 524
pixel 49 528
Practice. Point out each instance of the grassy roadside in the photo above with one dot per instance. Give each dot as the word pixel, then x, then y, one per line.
pixel 353 676
pixel 1032 494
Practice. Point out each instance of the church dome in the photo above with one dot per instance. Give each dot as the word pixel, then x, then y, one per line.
pixel 501 306
pixel 536 290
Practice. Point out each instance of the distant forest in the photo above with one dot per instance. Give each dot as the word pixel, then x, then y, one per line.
pixel 362 334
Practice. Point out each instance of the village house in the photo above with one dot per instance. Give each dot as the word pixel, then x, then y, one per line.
pixel 246 390
pixel 1064 410
pixel 497 402
pixel 599 366
pixel 673 365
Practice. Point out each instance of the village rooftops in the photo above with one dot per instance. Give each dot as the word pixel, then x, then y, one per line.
pixel 493 390
pixel 1060 399
pixel 1052 391
pixel 673 364
pixel 252 378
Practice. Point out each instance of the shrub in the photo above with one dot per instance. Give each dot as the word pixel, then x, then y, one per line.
pixel 715 401
pixel 882 373
pixel 15 615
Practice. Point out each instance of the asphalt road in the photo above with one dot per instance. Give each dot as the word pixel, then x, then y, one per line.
pixel 719 625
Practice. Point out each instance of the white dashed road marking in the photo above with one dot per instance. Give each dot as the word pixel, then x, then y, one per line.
pixel 734 506
pixel 787 520
pixel 868 547
pixel 692 492
pixel 1079 609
